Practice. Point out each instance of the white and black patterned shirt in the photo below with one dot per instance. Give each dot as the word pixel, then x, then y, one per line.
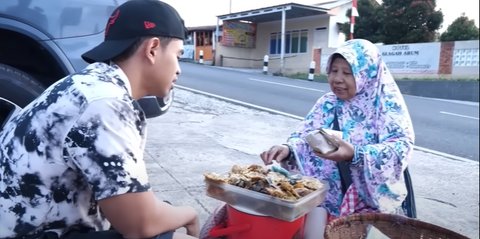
pixel 81 141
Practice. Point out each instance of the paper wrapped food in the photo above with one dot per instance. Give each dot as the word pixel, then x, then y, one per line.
pixel 321 141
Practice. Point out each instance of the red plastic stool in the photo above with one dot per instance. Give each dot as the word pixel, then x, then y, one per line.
pixel 242 225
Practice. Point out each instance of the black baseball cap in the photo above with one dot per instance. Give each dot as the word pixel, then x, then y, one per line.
pixel 135 19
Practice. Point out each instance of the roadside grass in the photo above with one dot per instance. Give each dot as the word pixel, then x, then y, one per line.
pixel 304 76
pixel 323 77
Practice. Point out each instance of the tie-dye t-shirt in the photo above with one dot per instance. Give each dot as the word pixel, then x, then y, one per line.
pixel 81 141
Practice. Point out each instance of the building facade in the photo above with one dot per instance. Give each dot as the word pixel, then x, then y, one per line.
pixel 307 33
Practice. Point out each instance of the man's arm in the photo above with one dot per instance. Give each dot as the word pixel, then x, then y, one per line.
pixel 141 215
pixel 106 144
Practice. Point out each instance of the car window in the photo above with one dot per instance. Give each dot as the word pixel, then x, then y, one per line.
pixel 61 18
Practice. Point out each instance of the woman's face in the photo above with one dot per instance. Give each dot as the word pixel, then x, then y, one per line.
pixel 341 80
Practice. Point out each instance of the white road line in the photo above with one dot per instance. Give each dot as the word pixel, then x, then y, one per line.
pixel 301 118
pixel 292 86
pixel 464 116
pixel 445 155
pixel 446 100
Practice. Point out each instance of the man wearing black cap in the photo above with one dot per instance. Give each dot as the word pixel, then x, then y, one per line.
pixel 71 162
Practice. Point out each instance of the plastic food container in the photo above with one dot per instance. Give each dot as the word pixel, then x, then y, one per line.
pixel 250 201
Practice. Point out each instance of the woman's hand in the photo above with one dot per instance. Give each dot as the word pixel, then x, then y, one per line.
pixel 276 152
pixel 344 152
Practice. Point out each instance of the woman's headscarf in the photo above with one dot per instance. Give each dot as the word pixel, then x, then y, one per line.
pixel 378 103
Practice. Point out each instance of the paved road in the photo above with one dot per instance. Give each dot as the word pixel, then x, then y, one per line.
pixel 450 127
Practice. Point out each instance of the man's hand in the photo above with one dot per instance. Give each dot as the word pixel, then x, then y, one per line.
pixel 344 152
pixel 193 228
pixel 276 152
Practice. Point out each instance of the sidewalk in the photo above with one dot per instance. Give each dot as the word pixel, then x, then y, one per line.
pixel 201 134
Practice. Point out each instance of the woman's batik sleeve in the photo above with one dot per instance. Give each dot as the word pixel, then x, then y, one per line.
pixel 316 118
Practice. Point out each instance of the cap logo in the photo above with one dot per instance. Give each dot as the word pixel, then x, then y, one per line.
pixel 148 25
pixel 112 20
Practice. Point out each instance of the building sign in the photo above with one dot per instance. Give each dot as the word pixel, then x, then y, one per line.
pixel 418 58
pixel 239 34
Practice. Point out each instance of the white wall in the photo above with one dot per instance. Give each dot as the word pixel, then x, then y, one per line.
pixel 465 59
pixel 244 56
pixel 295 62
pixel 188 52
pixel 324 59
pixel 337 16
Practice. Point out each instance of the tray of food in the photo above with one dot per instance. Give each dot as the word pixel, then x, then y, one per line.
pixel 258 189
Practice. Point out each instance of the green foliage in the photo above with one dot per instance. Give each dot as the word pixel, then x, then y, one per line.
pixel 410 21
pixel 396 21
pixel 368 25
pixel 461 29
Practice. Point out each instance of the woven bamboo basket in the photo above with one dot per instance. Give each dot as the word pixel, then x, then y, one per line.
pixel 393 226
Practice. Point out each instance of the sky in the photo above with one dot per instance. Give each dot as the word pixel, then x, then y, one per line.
pixel 205 12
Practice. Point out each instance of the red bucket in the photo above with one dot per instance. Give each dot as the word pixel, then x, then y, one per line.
pixel 241 225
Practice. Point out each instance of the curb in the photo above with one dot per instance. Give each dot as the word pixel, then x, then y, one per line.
pixel 248 105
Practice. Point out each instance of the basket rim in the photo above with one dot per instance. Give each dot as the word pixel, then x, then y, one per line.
pixel 398 219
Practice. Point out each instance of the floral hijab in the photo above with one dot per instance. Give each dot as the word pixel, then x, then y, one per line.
pixel 376 121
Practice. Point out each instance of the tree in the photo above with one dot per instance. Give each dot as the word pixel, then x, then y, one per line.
pixel 368 24
pixel 410 21
pixel 461 29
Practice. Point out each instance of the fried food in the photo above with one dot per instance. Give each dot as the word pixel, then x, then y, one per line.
pixel 261 179
pixel 215 177
pixel 310 183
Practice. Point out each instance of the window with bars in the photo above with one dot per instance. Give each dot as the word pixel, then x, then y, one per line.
pixel 295 42
pixel 204 38
pixel 466 57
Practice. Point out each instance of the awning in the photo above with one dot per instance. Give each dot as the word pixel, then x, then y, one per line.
pixel 201 28
pixel 274 13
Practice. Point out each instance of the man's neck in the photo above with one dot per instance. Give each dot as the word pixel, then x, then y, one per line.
pixel 134 76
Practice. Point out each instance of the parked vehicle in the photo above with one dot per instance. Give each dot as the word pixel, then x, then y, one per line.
pixel 42 41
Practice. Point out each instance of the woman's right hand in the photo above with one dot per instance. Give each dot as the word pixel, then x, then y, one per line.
pixel 276 152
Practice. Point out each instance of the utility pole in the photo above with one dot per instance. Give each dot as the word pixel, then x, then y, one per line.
pixel 230 7
pixel 353 14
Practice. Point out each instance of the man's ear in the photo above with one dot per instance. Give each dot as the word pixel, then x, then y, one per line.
pixel 152 48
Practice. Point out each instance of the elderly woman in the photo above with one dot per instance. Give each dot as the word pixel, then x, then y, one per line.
pixel 377 140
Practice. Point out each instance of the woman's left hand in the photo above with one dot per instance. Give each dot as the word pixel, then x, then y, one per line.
pixel 344 152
